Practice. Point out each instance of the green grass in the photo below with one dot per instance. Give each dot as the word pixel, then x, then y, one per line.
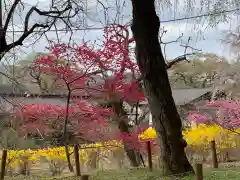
pixel 144 174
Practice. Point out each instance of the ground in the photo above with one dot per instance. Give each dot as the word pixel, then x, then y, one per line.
pixel 144 174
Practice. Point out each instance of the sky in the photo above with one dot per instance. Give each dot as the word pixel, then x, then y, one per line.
pixel 203 37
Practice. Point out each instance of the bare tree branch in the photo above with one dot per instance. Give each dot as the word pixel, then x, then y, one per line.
pixel 184 56
pixel 175 61
pixel 10 15
pixel 64 14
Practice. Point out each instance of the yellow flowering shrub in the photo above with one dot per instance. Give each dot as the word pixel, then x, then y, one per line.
pixel 90 153
pixel 149 133
pixel 56 158
pixel 23 159
pixel 198 138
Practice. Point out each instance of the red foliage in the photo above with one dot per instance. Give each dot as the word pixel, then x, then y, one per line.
pixel 73 66
pixel 45 119
pixel 77 64
pixel 133 142
pixel 225 113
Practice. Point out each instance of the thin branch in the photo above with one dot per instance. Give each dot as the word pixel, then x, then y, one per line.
pixel 184 56
pixel 55 14
pixel 10 15
pixel 177 60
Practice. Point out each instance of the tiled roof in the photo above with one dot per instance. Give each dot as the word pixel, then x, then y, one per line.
pixel 185 96
pixel 181 96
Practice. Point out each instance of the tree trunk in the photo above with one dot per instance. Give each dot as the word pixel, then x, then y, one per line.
pixel 152 65
pixel 70 167
pixel 3 42
pixel 123 127
pixel 65 132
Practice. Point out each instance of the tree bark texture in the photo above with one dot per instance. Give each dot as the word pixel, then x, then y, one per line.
pixel 65 132
pixel 123 127
pixel 70 166
pixel 166 120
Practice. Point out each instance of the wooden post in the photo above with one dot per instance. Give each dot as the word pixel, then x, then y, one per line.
pixel 199 172
pixel 85 177
pixel 214 154
pixel 3 164
pixel 149 151
pixel 98 151
pixel 77 162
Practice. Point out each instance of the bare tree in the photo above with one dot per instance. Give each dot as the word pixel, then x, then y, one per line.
pixel 201 71
pixel 59 11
